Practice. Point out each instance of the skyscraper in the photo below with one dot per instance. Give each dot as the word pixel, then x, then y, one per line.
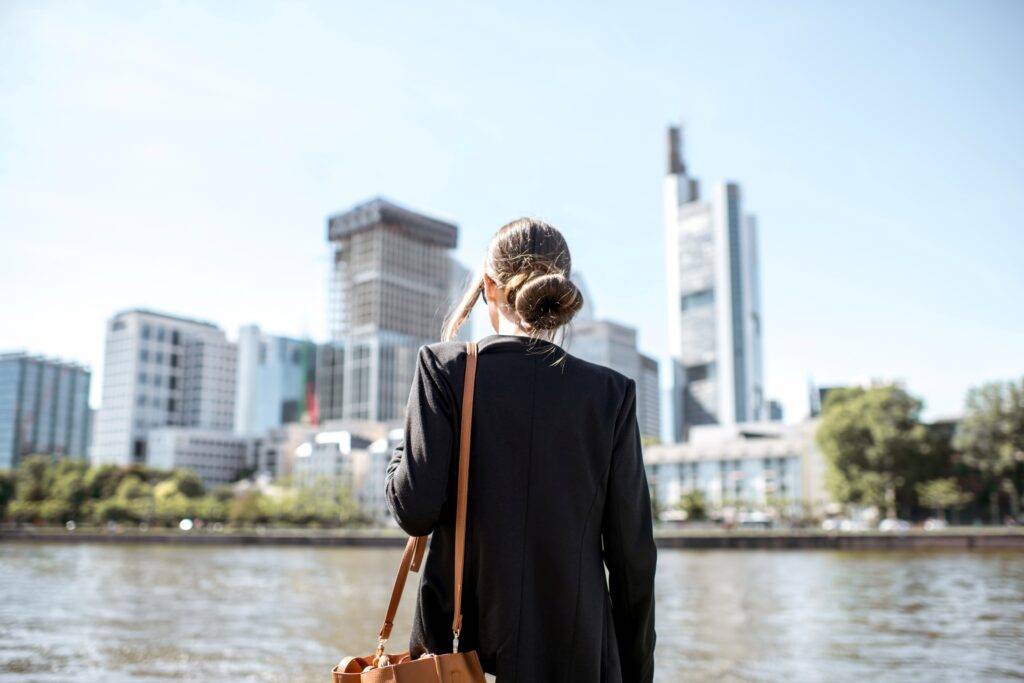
pixel 274 381
pixel 161 371
pixel 44 408
pixel 391 284
pixel 714 301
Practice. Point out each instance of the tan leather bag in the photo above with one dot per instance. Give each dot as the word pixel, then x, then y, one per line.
pixel 454 667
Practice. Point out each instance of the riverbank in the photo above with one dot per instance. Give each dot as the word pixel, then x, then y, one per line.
pixel 963 538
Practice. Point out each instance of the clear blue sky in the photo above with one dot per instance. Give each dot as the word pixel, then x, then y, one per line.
pixel 183 156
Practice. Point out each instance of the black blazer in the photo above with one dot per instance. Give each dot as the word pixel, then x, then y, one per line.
pixel 557 492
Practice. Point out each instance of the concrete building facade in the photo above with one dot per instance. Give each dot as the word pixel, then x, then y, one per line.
pixel 714 301
pixel 352 456
pixel 752 466
pixel 218 457
pixel 44 408
pixel 161 371
pixel 390 288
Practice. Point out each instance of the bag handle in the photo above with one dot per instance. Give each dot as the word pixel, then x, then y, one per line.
pixel 416 545
pixel 411 559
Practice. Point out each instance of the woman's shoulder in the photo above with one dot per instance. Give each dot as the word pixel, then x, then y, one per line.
pixel 442 357
pixel 614 380
pixel 444 351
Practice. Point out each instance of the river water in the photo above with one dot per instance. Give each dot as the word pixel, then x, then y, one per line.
pixel 153 613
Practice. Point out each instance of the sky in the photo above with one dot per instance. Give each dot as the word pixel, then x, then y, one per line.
pixel 184 156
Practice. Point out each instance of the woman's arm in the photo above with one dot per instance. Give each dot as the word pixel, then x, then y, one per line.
pixel 629 551
pixel 416 483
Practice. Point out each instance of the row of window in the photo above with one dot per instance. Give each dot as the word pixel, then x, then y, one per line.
pixel 158 380
pixel 160 333
pixel 158 357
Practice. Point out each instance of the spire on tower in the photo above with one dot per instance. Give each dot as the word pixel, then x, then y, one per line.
pixel 675 151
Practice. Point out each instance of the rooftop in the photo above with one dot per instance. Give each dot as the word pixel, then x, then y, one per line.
pixel 746 440
pixel 382 211
pixel 166 316
pixel 19 355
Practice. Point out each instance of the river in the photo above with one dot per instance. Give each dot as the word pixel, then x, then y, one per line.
pixel 153 613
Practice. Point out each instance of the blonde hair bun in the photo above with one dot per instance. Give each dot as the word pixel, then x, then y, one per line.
pixel 547 302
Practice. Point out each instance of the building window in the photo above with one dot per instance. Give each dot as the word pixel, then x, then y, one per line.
pixel 143 355
pixel 174 360
pixel 696 373
pixel 175 337
pixel 160 333
pixel 705 297
pixel 145 331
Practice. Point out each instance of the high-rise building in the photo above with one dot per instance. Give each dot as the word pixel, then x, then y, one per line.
pixel 44 408
pixel 614 345
pixel 161 371
pixel 391 285
pixel 714 301
pixel 274 381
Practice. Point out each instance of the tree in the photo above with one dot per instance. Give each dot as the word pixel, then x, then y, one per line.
pixel 188 483
pixel 113 510
pixel 6 490
pixel 991 441
pixel 248 508
pixel 34 478
pixel 68 491
pixel 941 495
pixel 695 505
pixel 875 446
pixel 133 487
pixel 102 482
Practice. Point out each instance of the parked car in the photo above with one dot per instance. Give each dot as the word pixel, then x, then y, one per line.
pixel 935 524
pixel 893 525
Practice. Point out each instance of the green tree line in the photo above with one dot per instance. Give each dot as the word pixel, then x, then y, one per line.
pixel 880 453
pixel 44 490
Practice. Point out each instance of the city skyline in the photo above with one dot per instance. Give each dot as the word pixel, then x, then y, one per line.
pixel 863 177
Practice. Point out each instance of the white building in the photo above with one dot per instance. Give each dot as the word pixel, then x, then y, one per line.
pixel 275 449
pixel 274 381
pixel 744 466
pixel 714 301
pixel 391 285
pixel 161 370
pixel 354 457
pixel 615 346
pixel 218 457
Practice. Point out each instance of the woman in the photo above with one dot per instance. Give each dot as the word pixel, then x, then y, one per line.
pixel 557 490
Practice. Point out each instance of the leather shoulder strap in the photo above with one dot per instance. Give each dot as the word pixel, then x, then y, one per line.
pixel 465 434
pixel 415 546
